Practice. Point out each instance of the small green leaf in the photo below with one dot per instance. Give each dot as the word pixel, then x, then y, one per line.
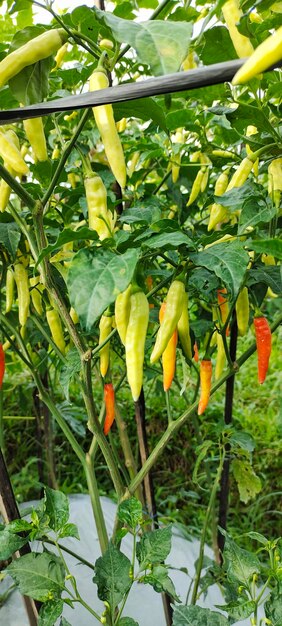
pixel 270 275
pixel 243 440
pixel 96 278
pixel 127 621
pixel 69 530
pixel 249 484
pixel 255 211
pixel 9 235
pixel 145 109
pixel 168 240
pixel 154 546
pixel 241 564
pixel 112 575
pixel 69 370
pixel 130 512
pixel 196 616
pixel 161 582
pixel 9 543
pixel 273 606
pixel 66 236
pixel 49 613
pixel 56 506
pixel 38 575
pixel 216 46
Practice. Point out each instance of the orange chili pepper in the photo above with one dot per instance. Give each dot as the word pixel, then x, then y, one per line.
pixel 109 399
pixel 205 379
pixel 169 355
pixel 263 340
pixel 196 352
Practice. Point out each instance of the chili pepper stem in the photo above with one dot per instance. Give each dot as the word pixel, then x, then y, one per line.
pixel 168 407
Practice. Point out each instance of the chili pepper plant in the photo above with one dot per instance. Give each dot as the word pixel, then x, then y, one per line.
pixel 169 202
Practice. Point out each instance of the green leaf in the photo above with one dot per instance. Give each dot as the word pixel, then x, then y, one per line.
pixel 66 236
pixel 168 240
pixel 255 211
pixel 130 512
pixel 160 581
pixel 154 546
pixel 64 622
pixel 9 236
pixel 69 370
pixel 56 505
pixel 257 537
pixel 31 85
pixel 147 212
pixel 238 610
pixel 163 45
pixel 228 261
pixel 241 565
pixel 112 575
pixel 249 484
pixel 96 278
pixel 49 613
pixel 38 575
pixel 127 621
pixel 273 606
pixel 268 246
pixel 217 46
pixel 236 197
pixel 242 440
pixel 196 616
pixel 182 117
pixel 201 453
pixel 145 109
pixel 9 543
pixel 270 275
pixel 69 530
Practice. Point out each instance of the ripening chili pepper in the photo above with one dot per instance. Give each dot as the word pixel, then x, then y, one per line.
pixel 184 329
pixel 196 187
pixel 232 15
pixel 34 131
pixel 265 55
pixel 35 293
pixel 135 340
pixel 21 278
pixel 10 284
pixel 55 325
pixel 223 306
pixel 205 384
pixel 263 341
pixel 220 357
pixel 242 172
pixel 168 355
pixel 196 352
pixel 122 311
pixel 105 327
pixel 176 159
pixel 173 312
pixel 2 364
pixel 243 311
pixel 204 159
pixel 99 217
pixel 32 51
pixel 11 154
pixel 109 399
pixel 105 121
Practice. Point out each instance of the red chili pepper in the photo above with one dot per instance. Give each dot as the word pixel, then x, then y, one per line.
pixel 109 398
pixel 205 379
pixel 196 352
pixel 2 364
pixel 263 340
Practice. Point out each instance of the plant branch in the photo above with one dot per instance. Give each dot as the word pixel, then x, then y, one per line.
pixel 17 188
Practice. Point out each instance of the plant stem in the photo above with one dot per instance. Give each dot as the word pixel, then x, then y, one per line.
pixel 27 199
pixel 204 531
pixel 71 552
pixel 96 504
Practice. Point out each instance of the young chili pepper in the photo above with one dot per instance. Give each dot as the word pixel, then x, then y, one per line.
pixel 34 50
pixel 205 382
pixel 11 153
pixel 105 121
pixel 135 340
pixel 34 131
pixel 105 327
pixel 21 278
pixel 184 329
pixel 2 364
pixel 218 212
pixel 220 357
pixel 109 399
pixel 36 290
pixel 265 55
pixel 243 311
pixel 99 217
pixel 169 354
pixel 173 312
pixel 122 311
pixel 263 341
pixel 55 325
pixel 10 283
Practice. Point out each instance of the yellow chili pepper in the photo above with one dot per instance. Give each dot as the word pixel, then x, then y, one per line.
pixel 55 325
pixel 243 311
pixel 34 131
pixel 21 278
pixel 218 212
pixel 168 355
pixel 99 217
pixel 252 130
pixel 11 154
pixel 232 15
pixel 220 357
pixel 184 329
pixel 10 284
pixel 122 312
pixel 36 290
pixel 275 181
pixel 105 327
pixel 135 341
pixel 265 55
pixel 173 312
